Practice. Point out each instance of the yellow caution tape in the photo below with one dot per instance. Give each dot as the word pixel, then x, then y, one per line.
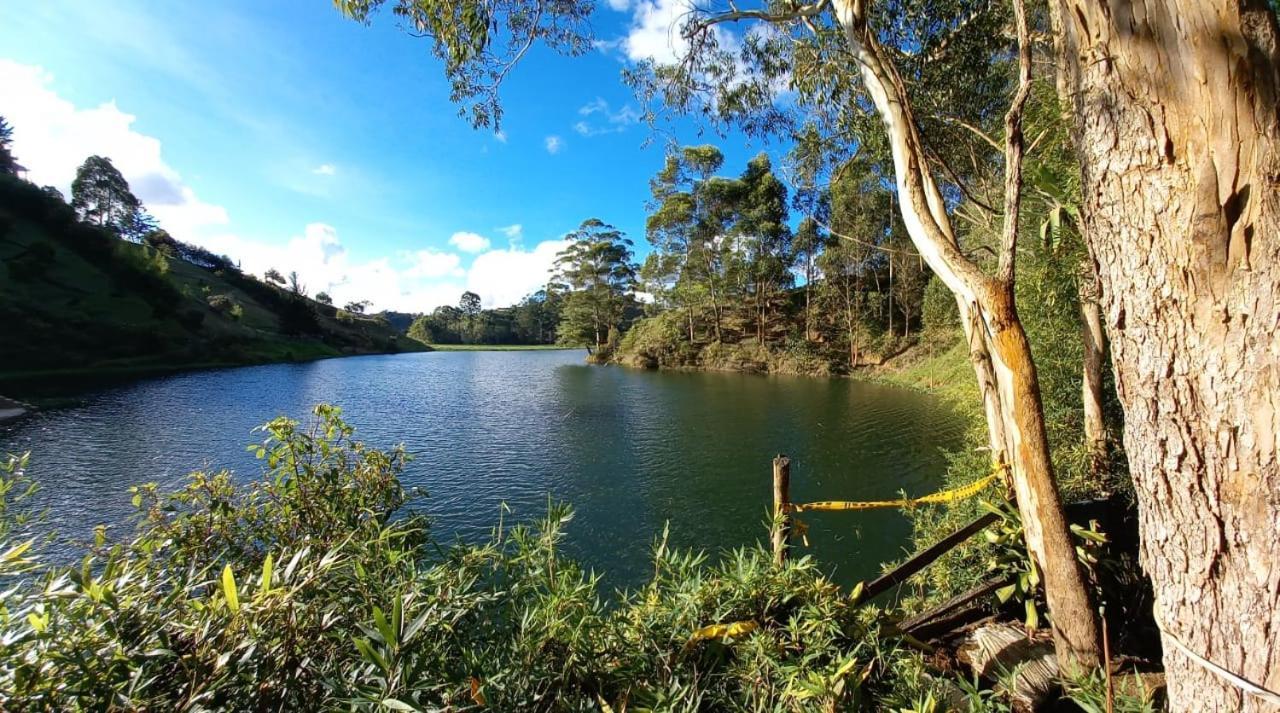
pixel 944 496
pixel 722 631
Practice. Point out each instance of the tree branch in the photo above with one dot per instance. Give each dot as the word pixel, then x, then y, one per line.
pixel 734 15
pixel 1013 151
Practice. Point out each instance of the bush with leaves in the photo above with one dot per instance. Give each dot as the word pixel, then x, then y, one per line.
pixel 318 586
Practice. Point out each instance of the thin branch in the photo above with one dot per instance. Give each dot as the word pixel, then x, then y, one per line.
pixel 955 178
pixel 861 242
pixel 1013 151
pixel 977 132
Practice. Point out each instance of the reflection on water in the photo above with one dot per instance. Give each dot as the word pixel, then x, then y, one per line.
pixel 630 450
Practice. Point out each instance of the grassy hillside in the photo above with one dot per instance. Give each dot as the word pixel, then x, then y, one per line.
pixel 76 299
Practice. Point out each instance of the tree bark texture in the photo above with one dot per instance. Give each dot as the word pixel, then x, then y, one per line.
pixel 1176 120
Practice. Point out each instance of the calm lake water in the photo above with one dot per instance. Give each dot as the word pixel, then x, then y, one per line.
pixel 630 450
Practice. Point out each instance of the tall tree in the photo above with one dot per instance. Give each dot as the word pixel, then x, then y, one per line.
pixel 8 164
pixel 1176 111
pixel 808 244
pixel 686 226
pixel 470 304
pixel 860 221
pixel 762 239
pixel 471 307
pixel 598 270
pixel 295 284
pixel 101 195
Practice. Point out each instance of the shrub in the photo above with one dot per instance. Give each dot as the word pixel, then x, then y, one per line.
pixel 656 342
pixel 225 306
pixel 317 586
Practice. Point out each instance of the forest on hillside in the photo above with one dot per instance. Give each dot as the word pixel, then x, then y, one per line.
pixel 94 285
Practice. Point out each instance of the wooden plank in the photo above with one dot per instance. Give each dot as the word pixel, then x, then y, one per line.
pixel 925 557
pixel 958 611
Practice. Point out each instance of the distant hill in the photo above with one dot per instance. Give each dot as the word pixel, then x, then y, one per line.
pixel 77 298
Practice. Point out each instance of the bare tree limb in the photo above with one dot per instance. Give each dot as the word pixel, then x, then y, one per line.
pixel 1014 150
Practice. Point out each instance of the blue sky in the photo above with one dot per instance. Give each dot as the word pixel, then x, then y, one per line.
pixel 288 136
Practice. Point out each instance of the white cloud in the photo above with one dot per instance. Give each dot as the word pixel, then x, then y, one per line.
pixel 416 282
pixel 52 137
pixel 501 136
pixel 504 277
pixel 655 31
pixel 430 263
pixel 515 231
pixel 325 169
pixel 619 5
pixel 469 242
pixel 554 144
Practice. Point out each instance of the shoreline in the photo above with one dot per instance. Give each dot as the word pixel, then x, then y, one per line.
pixel 502 348
pixel 33 380
pixel 11 409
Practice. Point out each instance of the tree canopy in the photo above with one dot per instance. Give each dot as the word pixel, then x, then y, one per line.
pixel 101 195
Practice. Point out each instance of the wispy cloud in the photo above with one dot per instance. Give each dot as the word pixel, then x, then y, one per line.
pixel 325 169
pixel 515 231
pixel 554 144
pixel 602 119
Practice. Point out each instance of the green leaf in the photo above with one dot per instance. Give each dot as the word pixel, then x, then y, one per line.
pixel 1004 593
pixel 1033 617
pixel 229 589
pixel 267 569
pixel 396 704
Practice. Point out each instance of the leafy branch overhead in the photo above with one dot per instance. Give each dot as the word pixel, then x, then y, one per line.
pixel 480 43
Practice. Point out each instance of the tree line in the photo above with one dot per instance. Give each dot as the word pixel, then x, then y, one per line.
pixel 588 301
pixel 726 259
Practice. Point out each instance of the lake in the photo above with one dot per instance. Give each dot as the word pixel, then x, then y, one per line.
pixel 630 450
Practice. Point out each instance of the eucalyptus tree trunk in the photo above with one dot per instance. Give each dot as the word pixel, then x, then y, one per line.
pixel 1179 141
pixel 1095 347
pixel 987 310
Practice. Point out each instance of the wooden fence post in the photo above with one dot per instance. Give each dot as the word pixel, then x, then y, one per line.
pixel 781 508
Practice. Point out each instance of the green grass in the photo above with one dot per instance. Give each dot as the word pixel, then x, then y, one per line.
pixel 88 304
pixel 502 347
pixel 939 365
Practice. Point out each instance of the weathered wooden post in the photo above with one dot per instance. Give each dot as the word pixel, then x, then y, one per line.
pixel 781 507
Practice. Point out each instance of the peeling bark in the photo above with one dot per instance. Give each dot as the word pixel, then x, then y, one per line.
pixel 1095 347
pixel 1179 138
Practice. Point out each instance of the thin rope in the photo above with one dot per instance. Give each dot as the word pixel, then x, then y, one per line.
pixel 852 239
pixel 1240 682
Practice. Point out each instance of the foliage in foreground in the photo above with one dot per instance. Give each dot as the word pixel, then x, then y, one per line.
pixel 316 587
